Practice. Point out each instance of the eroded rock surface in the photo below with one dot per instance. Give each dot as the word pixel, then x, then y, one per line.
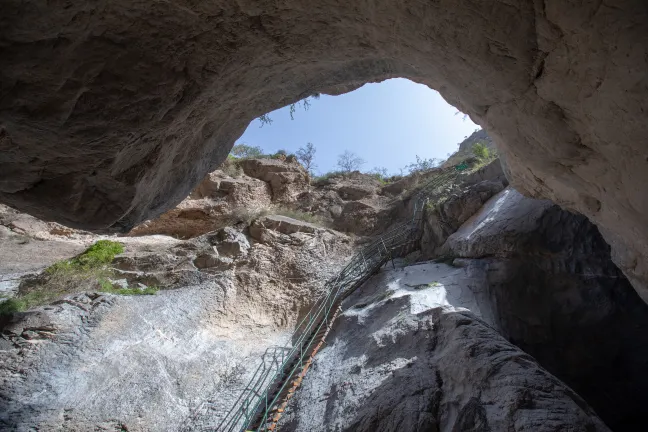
pixel 407 355
pixel 555 292
pixel 106 123
pixel 162 362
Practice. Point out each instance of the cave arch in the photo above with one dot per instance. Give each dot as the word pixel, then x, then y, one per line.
pixel 110 112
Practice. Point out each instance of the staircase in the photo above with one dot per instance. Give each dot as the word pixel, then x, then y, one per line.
pixel 282 369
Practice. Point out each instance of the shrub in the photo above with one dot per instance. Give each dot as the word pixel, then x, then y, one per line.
pixel 12 305
pixel 100 253
pixel 248 214
pixel 481 151
pixel 422 164
pixel 380 174
pixel 306 155
pixel 329 175
pixel 72 275
pixel 244 151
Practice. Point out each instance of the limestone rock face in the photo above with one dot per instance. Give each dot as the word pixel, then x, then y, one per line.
pixel 407 355
pixel 218 201
pixel 163 362
pixel 443 219
pixel 550 284
pixel 266 228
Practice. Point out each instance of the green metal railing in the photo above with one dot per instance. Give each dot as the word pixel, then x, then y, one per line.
pixel 280 364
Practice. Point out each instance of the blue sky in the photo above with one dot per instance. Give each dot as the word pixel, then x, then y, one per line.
pixel 387 124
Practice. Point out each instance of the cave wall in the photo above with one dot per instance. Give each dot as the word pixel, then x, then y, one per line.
pixel 111 112
pixel 554 291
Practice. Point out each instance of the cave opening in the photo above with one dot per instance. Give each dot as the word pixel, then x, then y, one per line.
pixel 393 128
pixel 105 123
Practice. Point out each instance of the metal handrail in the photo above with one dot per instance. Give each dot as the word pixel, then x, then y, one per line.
pixel 255 398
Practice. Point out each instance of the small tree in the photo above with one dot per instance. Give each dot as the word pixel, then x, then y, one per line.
pixel 349 161
pixel 481 151
pixel 244 151
pixel 306 155
pixel 379 172
pixel 422 164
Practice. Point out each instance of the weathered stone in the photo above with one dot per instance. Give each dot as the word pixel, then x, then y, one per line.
pixel 29 321
pixel 407 356
pixel 212 261
pixel 501 227
pixel 491 172
pixel 441 220
pixel 280 224
pixel 554 292
pixel 361 217
pixel 287 180
pixel 229 242
pixel 108 123
pixel 355 191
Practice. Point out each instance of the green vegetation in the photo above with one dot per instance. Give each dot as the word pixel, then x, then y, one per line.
pixel 12 305
pixel 244 151
pixel 97 255
pixel 422 164
pixel 380 174
pixel 483 154
pixel 330 175
pixel 87 271
pixel 481 151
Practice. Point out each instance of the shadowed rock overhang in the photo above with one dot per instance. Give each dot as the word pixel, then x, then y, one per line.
pixel 110 113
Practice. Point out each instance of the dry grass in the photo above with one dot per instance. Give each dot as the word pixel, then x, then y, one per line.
pixel 231 168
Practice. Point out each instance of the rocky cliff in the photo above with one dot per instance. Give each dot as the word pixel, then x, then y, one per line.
pixel 419 347
pixel 465 149
pixel 240 191
pixel 149 363
pixel 412 352
pixel 520 321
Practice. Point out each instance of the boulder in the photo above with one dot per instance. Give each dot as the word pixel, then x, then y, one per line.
pixel 501 227
pixel 280 224
pixel 287 180
pixel 492 172
pixel 442 219
pixel 356 191
pixel 238 191
pixel 229 242
pixel 212 262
